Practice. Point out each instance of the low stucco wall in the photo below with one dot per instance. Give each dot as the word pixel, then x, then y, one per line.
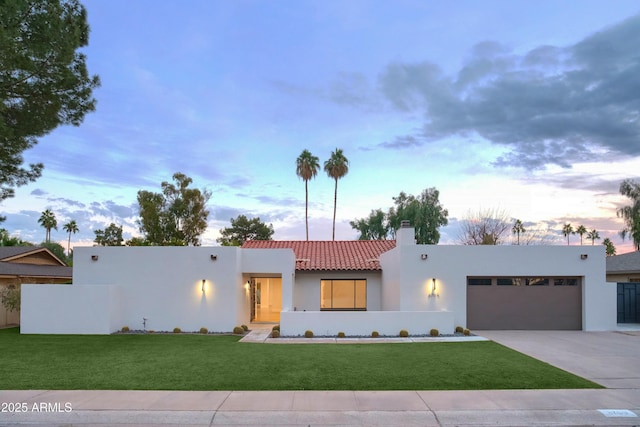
pixel 293 323
pixel 69 309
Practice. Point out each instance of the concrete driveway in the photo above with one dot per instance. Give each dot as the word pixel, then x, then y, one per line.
pixel 607 358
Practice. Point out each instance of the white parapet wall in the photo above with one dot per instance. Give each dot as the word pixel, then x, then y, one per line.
pixel 362 323
pixel 67 309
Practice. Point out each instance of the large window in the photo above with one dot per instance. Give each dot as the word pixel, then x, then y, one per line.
pixel 343 294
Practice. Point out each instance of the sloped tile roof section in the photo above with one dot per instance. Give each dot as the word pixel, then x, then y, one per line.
pixel 31 270
pixel 351 255
pixel 13 253
pixel 625 263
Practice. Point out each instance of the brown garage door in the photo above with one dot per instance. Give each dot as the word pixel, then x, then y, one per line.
pixel 534 303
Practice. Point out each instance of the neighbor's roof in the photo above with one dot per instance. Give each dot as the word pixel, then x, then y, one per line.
pixel 12 253
pixel 316 255
pixel 33 270
pixel 625 263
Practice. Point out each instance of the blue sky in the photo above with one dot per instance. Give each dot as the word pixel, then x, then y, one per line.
pixel 527 107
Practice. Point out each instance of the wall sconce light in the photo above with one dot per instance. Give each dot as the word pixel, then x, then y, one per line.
pixel 203 282
pixel 214 257
pixel 424 257
pixel 247 285
pixel 94 257
pixel 433 288
pixel 584 256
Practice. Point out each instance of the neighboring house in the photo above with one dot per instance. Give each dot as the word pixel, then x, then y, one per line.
pixel 625 270
pixel 28 265
pixel 355 287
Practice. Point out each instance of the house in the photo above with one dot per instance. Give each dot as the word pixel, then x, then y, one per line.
pixel 28 264
pixel 624 267
pixel 625 270
pixel 355 287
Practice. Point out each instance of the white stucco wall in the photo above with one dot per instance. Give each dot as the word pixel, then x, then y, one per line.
pixel 268 263
pixel 307 288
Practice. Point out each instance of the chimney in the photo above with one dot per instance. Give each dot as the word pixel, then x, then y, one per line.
pixel 406 235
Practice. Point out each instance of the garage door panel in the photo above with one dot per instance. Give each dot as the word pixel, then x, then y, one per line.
pixel 524 307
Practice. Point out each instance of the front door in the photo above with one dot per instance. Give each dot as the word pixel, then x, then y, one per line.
pixel 628 302
pixel 266 299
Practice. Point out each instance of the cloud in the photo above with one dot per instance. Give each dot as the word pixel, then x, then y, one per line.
pixel 38 192
pixel 551 105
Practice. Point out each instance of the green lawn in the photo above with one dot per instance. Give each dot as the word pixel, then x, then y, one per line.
pixel 198 362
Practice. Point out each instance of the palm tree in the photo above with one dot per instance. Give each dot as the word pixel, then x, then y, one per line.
pixel 593 236
pixel 336 167
pixel 610 249
pixel 70 227
pixel 306 168
pixel 567 230
pixel 518 228
pixel 48 221
pixel 581 230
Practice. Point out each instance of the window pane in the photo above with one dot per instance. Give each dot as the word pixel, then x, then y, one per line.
pixel 479 282
pixel 537 281
pixel 325 294
pixel 361 294
pixel 509 281
pixel 566 282
pixel 343 294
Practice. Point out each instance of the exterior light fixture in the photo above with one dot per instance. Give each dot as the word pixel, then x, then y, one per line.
pixel 584 256
pixel 424 257
pixel 214 257
pixel 203 282
pixel 94 257
pixel 433 288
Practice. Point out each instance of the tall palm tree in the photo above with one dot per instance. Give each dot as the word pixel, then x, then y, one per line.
pixel 336 167
pixel 306 168
pixel 70 227
pixel 567 230
pixel 48 221
pixel 593 235
pixel 581 230
pixel 518 228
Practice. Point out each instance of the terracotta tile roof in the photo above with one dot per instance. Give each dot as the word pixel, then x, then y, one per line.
pixel 330 255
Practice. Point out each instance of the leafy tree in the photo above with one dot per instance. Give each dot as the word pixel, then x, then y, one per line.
pixel 484 227
pixel 48 221
pixel 610 250
pixel 243 229
pixel 567 230
pixel 57 250
pixel 137 241
pixel 593 235
pixel 581 230
pixel 518 228
pixel 44 81
pixel 70 227
pixel 375 227
pixel 10 297
pixel 424 212
pixel 175 217
pixel 306 168
pixel 7 240
pixel 631 214
pixel 336 167
pixel 110 236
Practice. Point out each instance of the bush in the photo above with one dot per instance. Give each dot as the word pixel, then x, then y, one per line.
pixel 238 330
pixel 151 331
pixel 177 330
pixel 434 332
pixel 275 333
pixel 466 332
pixel 244 327
pixel 204 330
pixel 308 334
pixel 375 334
pixel 276 328
pixel 459 329
pixel 125 329
pixel 341 335
pixel 404 333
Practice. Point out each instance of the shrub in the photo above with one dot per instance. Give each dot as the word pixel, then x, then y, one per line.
pixel 404 333
pixel 275 333
pixel 308 334
pixel 125 329
pixel 434 332
pixel 276 328
pixel 244 327
pixel 375 334
pixel 466 332
pixel 238 330
pixel 151 331
pixel 459 329
pixel 204 330
pixel 177 330
pixel 341 335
